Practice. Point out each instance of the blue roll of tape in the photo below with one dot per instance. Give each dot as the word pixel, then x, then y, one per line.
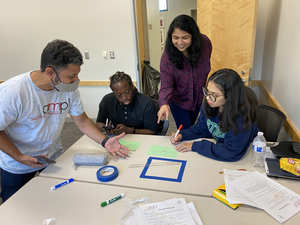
pixel 106 178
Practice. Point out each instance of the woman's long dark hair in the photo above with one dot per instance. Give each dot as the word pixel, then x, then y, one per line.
pixel 238 104
pixel 188 24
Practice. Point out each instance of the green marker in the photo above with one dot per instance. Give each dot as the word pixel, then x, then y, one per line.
pixel 112 200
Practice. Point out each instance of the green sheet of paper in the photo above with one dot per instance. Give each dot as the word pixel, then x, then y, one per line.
pixel 132 145
pixel 168 152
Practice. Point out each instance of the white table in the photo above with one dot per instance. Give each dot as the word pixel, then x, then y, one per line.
pixel 200 178
pixel 79 203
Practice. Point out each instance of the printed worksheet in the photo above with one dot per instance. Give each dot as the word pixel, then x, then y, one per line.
pixel 173 211
pixel 169 216
pixel 233 195
pixel 194 213
pixel 277 200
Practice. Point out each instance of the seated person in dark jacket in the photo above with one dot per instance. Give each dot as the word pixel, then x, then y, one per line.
pixel 126 109
pixel 227 114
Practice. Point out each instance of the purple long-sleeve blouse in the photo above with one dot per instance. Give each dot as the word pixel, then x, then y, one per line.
pixel 184 87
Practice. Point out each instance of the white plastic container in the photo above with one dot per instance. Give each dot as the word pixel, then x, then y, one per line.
pixel 259 150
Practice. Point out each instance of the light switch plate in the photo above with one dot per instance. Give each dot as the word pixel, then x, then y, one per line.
pixel 87 55
pixel 105 55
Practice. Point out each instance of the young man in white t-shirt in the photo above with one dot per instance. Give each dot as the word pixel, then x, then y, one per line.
pixel 33 109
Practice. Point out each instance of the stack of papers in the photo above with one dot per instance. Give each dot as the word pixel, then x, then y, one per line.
pixel 255 189
pixel 169 212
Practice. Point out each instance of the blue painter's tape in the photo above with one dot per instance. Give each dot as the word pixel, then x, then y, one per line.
pixel 106 178
pixel 180 174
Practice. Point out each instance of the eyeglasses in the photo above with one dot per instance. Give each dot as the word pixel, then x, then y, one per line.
pixel 212 97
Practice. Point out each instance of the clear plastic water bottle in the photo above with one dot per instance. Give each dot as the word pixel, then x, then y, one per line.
pixel 259 150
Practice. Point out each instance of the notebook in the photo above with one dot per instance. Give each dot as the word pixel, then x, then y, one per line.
pixel 272 167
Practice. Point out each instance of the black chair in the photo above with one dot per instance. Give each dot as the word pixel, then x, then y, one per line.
pixel 163 126
pixel 252 95
pixel 270 121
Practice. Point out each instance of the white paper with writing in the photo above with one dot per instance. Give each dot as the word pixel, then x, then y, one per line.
pixel 233 195
pixel 194 213
pixel 173 211
pixel 277 200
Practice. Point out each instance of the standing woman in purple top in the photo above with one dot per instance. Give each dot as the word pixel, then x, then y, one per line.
pixel 184 68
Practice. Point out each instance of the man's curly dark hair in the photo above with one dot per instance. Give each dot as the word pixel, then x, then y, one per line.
pixel 58 54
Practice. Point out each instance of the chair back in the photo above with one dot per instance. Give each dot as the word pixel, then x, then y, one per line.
pixel 270 121
pixel 251 94
pixel 163 126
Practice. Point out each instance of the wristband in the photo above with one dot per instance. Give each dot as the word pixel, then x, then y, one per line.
pixel 104 141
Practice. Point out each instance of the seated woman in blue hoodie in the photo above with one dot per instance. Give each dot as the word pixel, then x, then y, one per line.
pixel 227 115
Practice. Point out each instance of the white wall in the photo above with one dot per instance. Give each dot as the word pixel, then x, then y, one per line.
pixel 260 39
pixel 154 33
pixel 281 55
pixel 91 25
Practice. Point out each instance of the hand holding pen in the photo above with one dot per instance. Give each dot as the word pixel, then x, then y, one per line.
pixel 175 138
pixel 108 128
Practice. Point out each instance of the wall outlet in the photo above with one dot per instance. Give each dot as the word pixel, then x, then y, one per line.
pixel 112 54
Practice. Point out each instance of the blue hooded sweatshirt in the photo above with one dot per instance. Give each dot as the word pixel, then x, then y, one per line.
pixel 229 147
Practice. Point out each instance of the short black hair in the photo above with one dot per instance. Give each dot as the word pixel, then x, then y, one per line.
pixel 58 54
pixel 118 77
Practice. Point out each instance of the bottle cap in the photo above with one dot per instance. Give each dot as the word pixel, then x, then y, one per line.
pixel 260 133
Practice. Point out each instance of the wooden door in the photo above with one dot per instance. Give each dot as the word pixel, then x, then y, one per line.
pixel 231 27
pixel 141 17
